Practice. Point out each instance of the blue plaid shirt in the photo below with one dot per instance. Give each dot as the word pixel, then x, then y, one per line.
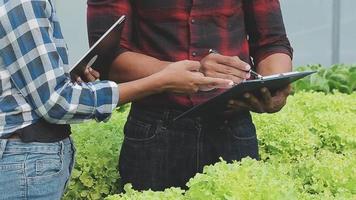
pixel 34 72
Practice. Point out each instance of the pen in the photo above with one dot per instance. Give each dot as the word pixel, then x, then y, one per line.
pixel 255 74
pixel 259 76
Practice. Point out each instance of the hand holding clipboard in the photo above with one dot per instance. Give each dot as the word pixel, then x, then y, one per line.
pixel 218 104
pixel 260 100
pixel 101 54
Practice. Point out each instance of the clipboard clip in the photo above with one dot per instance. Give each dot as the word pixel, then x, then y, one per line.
pixel 256 75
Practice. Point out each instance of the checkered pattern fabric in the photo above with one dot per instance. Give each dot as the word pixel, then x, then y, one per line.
pixel 34 72
pixel 175 30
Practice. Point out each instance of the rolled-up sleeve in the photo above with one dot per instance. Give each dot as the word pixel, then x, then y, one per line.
pixel 265 29
pixel 29 52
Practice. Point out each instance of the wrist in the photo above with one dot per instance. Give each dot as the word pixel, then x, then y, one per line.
pixel 164 64
pixel 160 82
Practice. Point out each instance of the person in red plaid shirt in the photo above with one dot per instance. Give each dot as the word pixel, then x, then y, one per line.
pixel 158 153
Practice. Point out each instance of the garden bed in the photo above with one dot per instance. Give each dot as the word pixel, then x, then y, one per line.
pixel 307 151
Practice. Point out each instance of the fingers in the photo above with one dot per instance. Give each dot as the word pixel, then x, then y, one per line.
pixel 287 90
pixel 235 72
pixel 94 73
pixel 266 95
pixel 266 104
pixel 235 104
pixel 226 76
pixel 255 104
pixel 228 67
pixel 90 74
pixel 280 99
pixel 275 103
pixel 224 69
pixel 232 61
pixel 77 79
pixel 271 104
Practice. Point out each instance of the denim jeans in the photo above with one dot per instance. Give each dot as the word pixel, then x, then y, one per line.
pixel 34 170
pixel 157 153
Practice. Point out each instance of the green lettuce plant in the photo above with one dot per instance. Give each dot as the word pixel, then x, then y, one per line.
pixel 307 152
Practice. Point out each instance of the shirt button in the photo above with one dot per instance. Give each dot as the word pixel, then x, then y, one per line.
pixel 192 21
pixel 194 53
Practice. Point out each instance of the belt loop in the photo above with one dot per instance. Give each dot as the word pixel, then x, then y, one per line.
pixel 3 143
pixel 165 119
pixel 166 115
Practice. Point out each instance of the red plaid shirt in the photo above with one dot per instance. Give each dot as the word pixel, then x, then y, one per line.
pixel 175 30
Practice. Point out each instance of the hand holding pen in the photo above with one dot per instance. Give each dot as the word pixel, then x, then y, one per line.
pixel 226 67
pixel 255 74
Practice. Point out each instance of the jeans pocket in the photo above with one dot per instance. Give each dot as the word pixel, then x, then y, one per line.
pixel 48 167
pixel 48 172
pixel 243 139
pixel 242 128
pixel 141 159
pixel 138 131
pixel 42 165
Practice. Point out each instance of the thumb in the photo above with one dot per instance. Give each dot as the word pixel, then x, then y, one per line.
pixel 216 82
pixel 192 65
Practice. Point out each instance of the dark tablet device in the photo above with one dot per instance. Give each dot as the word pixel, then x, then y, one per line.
pixel 217 104
pixel 101 55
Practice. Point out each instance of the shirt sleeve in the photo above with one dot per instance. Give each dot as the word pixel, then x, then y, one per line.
pixel 265 29
pixel 28 49
pixel 102 14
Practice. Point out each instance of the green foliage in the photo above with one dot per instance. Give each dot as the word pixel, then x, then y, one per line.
pixel 307 152
pixel 310 122
pixel 338 77
pixel 328 175
pixel 95 173
pixel 169 193
pixel 325 176
pixel 248 179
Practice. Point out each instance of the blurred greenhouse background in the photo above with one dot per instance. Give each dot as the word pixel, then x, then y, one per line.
pixel 321 31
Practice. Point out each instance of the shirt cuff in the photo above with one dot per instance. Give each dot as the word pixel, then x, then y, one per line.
pixel 267 51
pixel 107 98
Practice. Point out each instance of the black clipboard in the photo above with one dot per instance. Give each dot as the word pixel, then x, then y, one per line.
pixel 217 104
pixel 101 55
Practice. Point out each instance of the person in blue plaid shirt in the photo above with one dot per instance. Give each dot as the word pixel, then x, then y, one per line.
pixel 38 99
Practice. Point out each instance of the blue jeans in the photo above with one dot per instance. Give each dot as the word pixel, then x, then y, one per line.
pixel 157 154
pixel 34 170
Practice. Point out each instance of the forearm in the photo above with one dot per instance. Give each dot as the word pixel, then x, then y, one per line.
pixel 275 63
pixel 133 90
pixel 131 66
